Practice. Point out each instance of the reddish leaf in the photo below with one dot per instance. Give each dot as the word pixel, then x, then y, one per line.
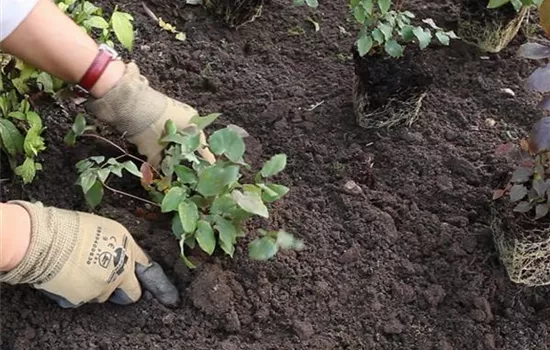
pixel 504 149
pixel 147 173
pixel 527 163
pixel 497 194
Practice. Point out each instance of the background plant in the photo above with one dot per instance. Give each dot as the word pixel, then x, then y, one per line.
pixel 20 125
pixel 385 27
pixel 208 202
pixel 518 4
pixel 529 186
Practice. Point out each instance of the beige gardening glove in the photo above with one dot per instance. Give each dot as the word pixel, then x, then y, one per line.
pixel 76 258
pixel 140 113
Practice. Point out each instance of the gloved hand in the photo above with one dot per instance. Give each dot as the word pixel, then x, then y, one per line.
pixel 140 113
pixel 77 258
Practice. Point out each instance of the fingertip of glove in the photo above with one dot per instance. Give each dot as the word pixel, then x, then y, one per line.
pixel 153 279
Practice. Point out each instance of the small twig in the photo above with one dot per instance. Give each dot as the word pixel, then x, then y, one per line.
pixel 121 150
pixel 129 195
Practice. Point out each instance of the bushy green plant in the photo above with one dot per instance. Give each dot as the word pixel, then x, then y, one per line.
pixel 20 126
pixel 385 27
pixel 208 202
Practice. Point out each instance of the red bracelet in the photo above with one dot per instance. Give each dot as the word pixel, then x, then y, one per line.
pixel 96 69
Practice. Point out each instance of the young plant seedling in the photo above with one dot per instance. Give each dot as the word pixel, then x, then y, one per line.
pixel 529 186
pixel 384 26
pixel 208 202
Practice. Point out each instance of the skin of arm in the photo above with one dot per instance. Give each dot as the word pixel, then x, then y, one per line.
pixel 49 40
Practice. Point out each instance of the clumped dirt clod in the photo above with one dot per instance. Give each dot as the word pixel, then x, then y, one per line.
pixel 410 264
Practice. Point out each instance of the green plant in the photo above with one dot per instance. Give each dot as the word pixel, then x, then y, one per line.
pixel 384 26
pixel 518 4
pixel 20 125
pixel 208 202
pixel 310 3
pixel 529 186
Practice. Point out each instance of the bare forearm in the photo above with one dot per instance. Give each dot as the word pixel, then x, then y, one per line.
pixel 49 40
pixel 15 235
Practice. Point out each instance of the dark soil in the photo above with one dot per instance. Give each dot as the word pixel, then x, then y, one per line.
pixel 409 264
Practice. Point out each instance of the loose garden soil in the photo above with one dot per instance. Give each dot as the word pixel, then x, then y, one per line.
pixel 407 264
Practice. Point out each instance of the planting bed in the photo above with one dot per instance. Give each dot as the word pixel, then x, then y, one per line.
pixel 407 264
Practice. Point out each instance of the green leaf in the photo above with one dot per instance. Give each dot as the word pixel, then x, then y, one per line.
pixel 523 207
pixel 189 215
pixel 263 248
pixel 226 229
pixel 132 168
pixel 384 5
pixel 213 179
pixel 177 228
pixel 100 159
pixel 189 143
pixel 33 143
pixel 185 175
pixel 522 174
pixel 205 237
pixel 378 36
pixel 443 38
pixel 364 44
pixel 312 3
pixel 424 36
pixel 359 13
pixel 227 142
pixel 393 48
pixel 45 80
pixel 170 127
pixel 222 204
pixel 17 115
pixel 83 165
pixel 96 22
pixel 87 180
pixel 123 28
pixel 407 33
pixel 11 138
pixel 27 170
pixel 94 195
pixel 496 3
pixel 203 122
pixel 172 199
pixel 102 174
pixel 250 202
pixel 273 192
pixel 273 166
pixel 79 124
pixel 541 210
pixel 287 241
pixel 386 29
pixel 517 192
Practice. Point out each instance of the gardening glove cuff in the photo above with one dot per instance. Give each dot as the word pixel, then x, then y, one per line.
pixel 140 113
pixel 77 258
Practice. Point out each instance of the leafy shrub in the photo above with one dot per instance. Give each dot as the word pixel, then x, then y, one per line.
pixel 208 203
pixel 20 126
pixel 518 4
pixel 384 26
pixel 529 186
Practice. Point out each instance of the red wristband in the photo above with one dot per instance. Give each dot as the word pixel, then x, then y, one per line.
pixel 96 69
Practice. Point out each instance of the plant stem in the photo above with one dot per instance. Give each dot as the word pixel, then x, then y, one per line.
pixel 129 195
pixel 120 149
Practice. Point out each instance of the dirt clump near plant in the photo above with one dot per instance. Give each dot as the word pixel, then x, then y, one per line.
pixel 407 264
